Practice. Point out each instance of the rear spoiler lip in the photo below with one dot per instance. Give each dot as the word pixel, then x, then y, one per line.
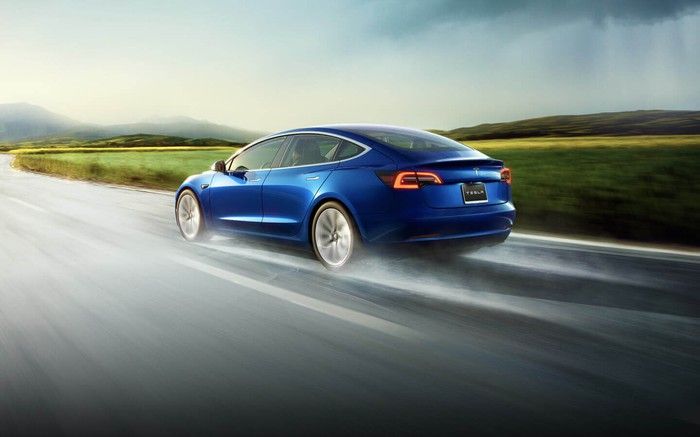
pixel 468 161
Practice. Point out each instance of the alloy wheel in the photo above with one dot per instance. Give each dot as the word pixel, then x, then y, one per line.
pixel 189 216
pixel 333 237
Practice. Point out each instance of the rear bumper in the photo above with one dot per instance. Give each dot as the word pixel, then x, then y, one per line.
pixel 488 222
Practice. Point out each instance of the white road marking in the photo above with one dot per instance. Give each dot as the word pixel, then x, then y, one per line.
pixel 604 245
pixel 26 204
pixel 565 313
pixel 319 306
pixel 290 261
pixel 142 190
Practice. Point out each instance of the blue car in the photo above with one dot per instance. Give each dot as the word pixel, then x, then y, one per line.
pixel 338 187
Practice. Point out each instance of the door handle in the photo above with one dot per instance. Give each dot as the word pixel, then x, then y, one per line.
pixel 254 180
pixel 312 178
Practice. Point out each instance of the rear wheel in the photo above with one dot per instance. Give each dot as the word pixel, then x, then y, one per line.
pixel 333 235
pixel 189 216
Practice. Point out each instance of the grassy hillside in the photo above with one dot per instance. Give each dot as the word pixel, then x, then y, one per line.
pixel 655 122
pixel 124 141
pixel 663 141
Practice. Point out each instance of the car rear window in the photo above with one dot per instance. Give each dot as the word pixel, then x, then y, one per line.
pixel 411 141
pixel 348 150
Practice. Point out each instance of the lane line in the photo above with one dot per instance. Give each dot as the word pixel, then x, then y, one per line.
pixel 565 313
pixel 297 262
pixel 671 258
pixel 603 245
pixel 26 204
pixel 301 300
pixel 139 189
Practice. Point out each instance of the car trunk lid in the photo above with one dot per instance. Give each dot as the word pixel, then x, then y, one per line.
pixel 465 182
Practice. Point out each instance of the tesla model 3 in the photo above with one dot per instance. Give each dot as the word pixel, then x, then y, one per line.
pixel 338 187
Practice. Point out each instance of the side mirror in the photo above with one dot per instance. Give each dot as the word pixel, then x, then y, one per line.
pixel 219 166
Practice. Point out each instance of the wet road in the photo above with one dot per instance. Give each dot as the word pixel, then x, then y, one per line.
pixel 111 324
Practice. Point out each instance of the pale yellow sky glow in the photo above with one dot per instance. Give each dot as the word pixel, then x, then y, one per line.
pixel 272 65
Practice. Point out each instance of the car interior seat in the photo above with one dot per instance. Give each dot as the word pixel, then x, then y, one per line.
pixel 310 153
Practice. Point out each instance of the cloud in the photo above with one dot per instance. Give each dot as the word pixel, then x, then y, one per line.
pixel 405 17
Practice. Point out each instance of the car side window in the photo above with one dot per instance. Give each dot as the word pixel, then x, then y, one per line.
pixel 310 149
pixel 257 157
pixel 348 150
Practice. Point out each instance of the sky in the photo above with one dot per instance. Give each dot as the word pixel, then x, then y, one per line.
pixel 271 65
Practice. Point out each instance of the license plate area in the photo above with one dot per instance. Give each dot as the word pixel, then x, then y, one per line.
pixel 474 192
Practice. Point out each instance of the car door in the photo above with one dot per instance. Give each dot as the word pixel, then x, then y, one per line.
pixel 236 194
pixel 289 190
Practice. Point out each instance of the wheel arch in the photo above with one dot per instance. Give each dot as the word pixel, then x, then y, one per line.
pixel 197 196
pixel 199 185
pixel 322 200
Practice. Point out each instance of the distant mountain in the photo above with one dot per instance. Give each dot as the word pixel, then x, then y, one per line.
pixel 654 122
pixel 21 121
pixel 188 128
pixel 170 119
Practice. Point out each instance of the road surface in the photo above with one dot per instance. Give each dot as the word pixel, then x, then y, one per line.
pixel 111 324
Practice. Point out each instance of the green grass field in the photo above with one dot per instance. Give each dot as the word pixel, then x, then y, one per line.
pixel 164 169
pixel 646 194
pixel 120 142
pixel 55 150
pixel 641 188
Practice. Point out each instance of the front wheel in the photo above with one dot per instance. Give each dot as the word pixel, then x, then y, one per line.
pixel 189 216
pixel 333 235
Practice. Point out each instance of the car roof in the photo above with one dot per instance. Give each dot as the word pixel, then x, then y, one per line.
pixel 358 133
pixel 356 128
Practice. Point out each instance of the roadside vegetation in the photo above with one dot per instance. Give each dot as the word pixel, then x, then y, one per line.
pixel 163 169
pixel 647 193
pixel 55 150
pixel 642 188
pixel 124 141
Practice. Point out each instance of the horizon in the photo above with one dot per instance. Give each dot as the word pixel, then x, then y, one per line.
pixel 156 119
pixel 271 66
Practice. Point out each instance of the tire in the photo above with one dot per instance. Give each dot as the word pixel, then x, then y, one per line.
pixel 190 217
pixel 334 235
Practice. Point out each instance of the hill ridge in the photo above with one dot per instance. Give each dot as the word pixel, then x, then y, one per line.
pixel 621 123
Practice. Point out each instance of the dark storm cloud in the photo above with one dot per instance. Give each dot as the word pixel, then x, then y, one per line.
pixel 407 16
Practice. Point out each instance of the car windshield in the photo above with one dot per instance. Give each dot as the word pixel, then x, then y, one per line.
pixel 412 141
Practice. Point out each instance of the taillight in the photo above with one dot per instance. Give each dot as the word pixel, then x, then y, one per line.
pixel 506 175
pixel 412 180
pixel 409 180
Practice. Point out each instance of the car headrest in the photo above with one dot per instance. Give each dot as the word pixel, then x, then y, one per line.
pixel 310 154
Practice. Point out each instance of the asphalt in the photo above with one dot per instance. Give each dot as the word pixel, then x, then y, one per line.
pixel 110 323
